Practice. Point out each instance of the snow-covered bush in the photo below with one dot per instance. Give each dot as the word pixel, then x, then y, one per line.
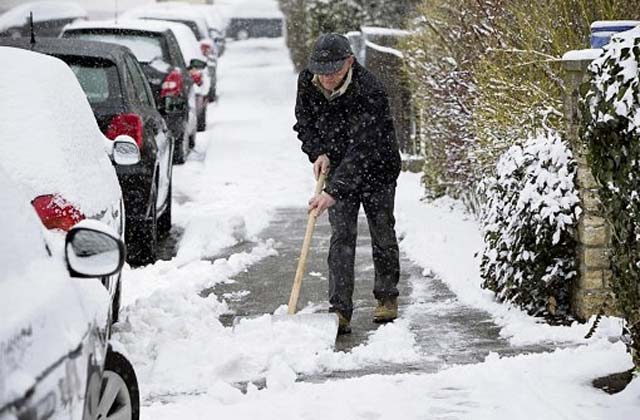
pixel 529 226
pixel 612 131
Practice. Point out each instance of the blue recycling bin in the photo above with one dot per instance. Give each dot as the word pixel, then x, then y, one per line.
pixel 603 30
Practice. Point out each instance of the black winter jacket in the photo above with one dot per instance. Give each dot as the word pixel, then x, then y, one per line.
pixel 355 130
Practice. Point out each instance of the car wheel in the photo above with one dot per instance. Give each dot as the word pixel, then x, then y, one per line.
pixel 192 141
pixel 119 395
pixel 164 221
pixel 181 149
pixel 242 34
pixel 145 236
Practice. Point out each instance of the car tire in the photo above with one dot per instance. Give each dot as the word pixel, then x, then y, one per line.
pixel 119 378
pixel 164 221
pixel 145 236
pixel 192 141
pixel 181 149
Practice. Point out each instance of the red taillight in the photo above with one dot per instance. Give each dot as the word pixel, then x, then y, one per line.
pixel 172 84
pixel 196 75
pixel 56 212
pixel 129 124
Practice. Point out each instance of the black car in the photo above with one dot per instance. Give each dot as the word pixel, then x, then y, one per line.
pixel 123 103
pixel 158 52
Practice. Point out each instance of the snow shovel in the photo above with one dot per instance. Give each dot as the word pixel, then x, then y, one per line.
pixel 325 321
pixel 322 326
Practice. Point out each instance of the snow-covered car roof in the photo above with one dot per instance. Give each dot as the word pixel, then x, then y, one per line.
pixel 188 43
pixel 186 39
pixel 42 11
pixel 51 143
pixel 128 24
pixel 169 13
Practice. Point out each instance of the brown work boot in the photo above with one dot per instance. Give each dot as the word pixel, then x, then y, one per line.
pixel 344 326
pixel 386 311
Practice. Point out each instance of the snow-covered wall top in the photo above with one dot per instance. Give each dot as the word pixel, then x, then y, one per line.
pixel 579 55
pixel 374 30
pixel 386 50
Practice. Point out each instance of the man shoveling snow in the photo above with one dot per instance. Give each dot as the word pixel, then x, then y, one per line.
pixel 346 129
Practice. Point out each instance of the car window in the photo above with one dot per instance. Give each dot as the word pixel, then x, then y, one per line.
pixel 191 24
pixel 174 51
pixel 140 87
pixel 146 48
pixel 99 80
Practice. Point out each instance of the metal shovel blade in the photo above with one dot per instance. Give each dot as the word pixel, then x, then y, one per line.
pixel 322 327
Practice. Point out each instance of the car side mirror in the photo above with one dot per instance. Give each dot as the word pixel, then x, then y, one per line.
pixel 93 250
pixel 197 64
pixel 125 151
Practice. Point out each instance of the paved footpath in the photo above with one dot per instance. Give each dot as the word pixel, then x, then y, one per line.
pixel 447 332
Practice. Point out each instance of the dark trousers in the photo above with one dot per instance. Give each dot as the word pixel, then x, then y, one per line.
pixel 343 217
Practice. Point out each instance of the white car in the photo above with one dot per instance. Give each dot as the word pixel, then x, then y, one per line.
pixel 55 358
pixel 53 149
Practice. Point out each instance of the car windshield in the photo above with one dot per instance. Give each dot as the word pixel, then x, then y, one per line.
pixel 191 24
pixel 145 48
pixel 98 78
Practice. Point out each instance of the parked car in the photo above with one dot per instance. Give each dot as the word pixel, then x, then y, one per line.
pixel 122 103
pixel 160 51
pixel 49 17
pixel 57 361
pixel 216 24
pixel 185 14
pixel 53 149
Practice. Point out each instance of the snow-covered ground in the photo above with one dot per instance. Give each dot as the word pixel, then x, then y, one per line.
pixel 245 166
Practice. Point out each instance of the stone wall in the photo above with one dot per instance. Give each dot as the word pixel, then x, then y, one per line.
pixel 592 285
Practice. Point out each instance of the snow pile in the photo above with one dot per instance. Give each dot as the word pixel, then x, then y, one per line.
pixel 532 210
pixel 551 386
pixel 442 237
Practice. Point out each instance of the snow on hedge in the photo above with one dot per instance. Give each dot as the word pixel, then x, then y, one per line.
pixel 529 221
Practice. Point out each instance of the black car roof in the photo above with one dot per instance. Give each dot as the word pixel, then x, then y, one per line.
pixel 72 47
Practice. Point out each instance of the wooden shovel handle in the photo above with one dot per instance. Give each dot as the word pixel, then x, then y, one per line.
pixel 306 245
